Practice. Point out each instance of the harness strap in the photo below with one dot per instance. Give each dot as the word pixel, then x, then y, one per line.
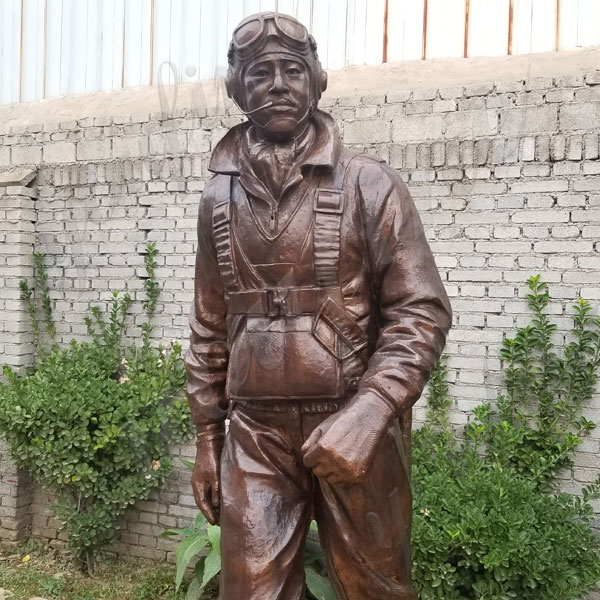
pixel 275 302
pixel 328 207
pixel 222 233
pixel 333 316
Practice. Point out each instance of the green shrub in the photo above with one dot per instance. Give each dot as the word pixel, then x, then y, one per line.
pixel 538 422
pixel 484 532
pixel 486 523
pixel 93 422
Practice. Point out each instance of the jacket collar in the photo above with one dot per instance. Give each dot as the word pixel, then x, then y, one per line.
pixel 227 157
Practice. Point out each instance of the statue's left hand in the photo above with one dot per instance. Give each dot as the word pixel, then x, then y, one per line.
pixel 342 448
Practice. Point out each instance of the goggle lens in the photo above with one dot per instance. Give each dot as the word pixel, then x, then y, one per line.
pixel 291 29
pixel 248 32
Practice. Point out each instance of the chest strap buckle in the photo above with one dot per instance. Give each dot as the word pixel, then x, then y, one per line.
pixel 277 302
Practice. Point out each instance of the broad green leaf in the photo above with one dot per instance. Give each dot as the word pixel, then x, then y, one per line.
pixel 184 532
pixel 195 588
pixel 212 566
pixel 200 521
pixel 319 586
pixel 188 463
pixel 214 535
pixel 187 549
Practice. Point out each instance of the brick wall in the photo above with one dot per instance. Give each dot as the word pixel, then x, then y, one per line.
pixel 506 177
pixel 17 241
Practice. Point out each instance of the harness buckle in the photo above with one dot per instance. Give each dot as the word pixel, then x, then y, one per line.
pixel 277 302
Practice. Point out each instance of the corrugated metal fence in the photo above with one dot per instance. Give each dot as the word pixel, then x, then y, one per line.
pixel 63 47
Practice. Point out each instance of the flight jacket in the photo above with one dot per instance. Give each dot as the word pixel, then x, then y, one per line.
pixel 385 313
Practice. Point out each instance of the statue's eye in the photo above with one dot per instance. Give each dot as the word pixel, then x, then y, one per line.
pixel 293 71
pixel 260 73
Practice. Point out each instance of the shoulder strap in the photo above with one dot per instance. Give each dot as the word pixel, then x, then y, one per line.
pixel 329 208
pixel 221 224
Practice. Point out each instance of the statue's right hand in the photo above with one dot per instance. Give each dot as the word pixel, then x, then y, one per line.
pixel 206 478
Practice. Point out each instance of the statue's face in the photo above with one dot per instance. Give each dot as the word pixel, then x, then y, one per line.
pixel 284 82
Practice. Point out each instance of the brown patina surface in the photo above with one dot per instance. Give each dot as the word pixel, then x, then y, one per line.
pixel 318 316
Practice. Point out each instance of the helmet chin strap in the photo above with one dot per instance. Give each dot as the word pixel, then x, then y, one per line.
pixel 249 112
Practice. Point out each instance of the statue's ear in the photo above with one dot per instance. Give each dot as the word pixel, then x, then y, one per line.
pixel 323 81
pixel 229 82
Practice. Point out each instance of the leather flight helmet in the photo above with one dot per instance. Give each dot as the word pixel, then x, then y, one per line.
pixel 272 33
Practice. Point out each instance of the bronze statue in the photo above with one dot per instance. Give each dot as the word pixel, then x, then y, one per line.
pixel 318 316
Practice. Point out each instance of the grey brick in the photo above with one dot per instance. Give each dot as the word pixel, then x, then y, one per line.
pixel 478 89
pixel 449 174
pixel 172 142
pixel 99 149
pixel 536 187
pixel 478 172
pixel 424 94
pixel 591 146
pixel 560 95
pixel 579 116
pixel 528 149
pixel 526 121
pixel 452 154
pixel 419 107
pixel 410 157
pixel 588 184
pixel 397 97
pixel 565 81
pixel 530 99
pixel 417 128
pixel 538 83
pixel 497 154
pixel 591 168
pixel 4 156
pixel 574 147
pixel 470 189
pixel 566 168
pixel 511 150
pixel 542 148
pixel 481 152
pixel 475 123
pixel 367 132
pixel 593 78
pixel 423 156
pixel 559 247
pixel 59 152
pixel 510 86
pixel 441 106
pixel 133 146
pixel 501 172
pixel 467 151
pixel 590 94
pixel 558 145
pixel 26 155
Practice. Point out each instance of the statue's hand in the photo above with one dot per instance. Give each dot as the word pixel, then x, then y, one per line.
pixel 206 478
pixel 342 448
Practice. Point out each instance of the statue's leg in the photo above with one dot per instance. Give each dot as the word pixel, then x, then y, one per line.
pixel 265 508
pixel 365 528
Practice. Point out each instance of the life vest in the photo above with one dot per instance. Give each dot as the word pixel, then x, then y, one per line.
pixel 292 342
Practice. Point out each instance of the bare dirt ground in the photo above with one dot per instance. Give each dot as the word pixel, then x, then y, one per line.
pixel 364 80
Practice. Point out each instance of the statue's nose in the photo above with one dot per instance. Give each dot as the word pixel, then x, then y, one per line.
pixel 278 82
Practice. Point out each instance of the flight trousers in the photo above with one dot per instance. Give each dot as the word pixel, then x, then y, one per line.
pixel 268 498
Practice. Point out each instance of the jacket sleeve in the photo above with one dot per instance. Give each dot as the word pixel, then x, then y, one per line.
pixel 207 356
pixel 414 310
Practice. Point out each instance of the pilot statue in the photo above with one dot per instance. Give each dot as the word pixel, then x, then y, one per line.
pixel 318 315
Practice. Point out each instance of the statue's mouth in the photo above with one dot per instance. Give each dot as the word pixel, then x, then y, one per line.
pixel 282 107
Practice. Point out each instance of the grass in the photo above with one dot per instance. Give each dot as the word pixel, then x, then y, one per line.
pixel 33 569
